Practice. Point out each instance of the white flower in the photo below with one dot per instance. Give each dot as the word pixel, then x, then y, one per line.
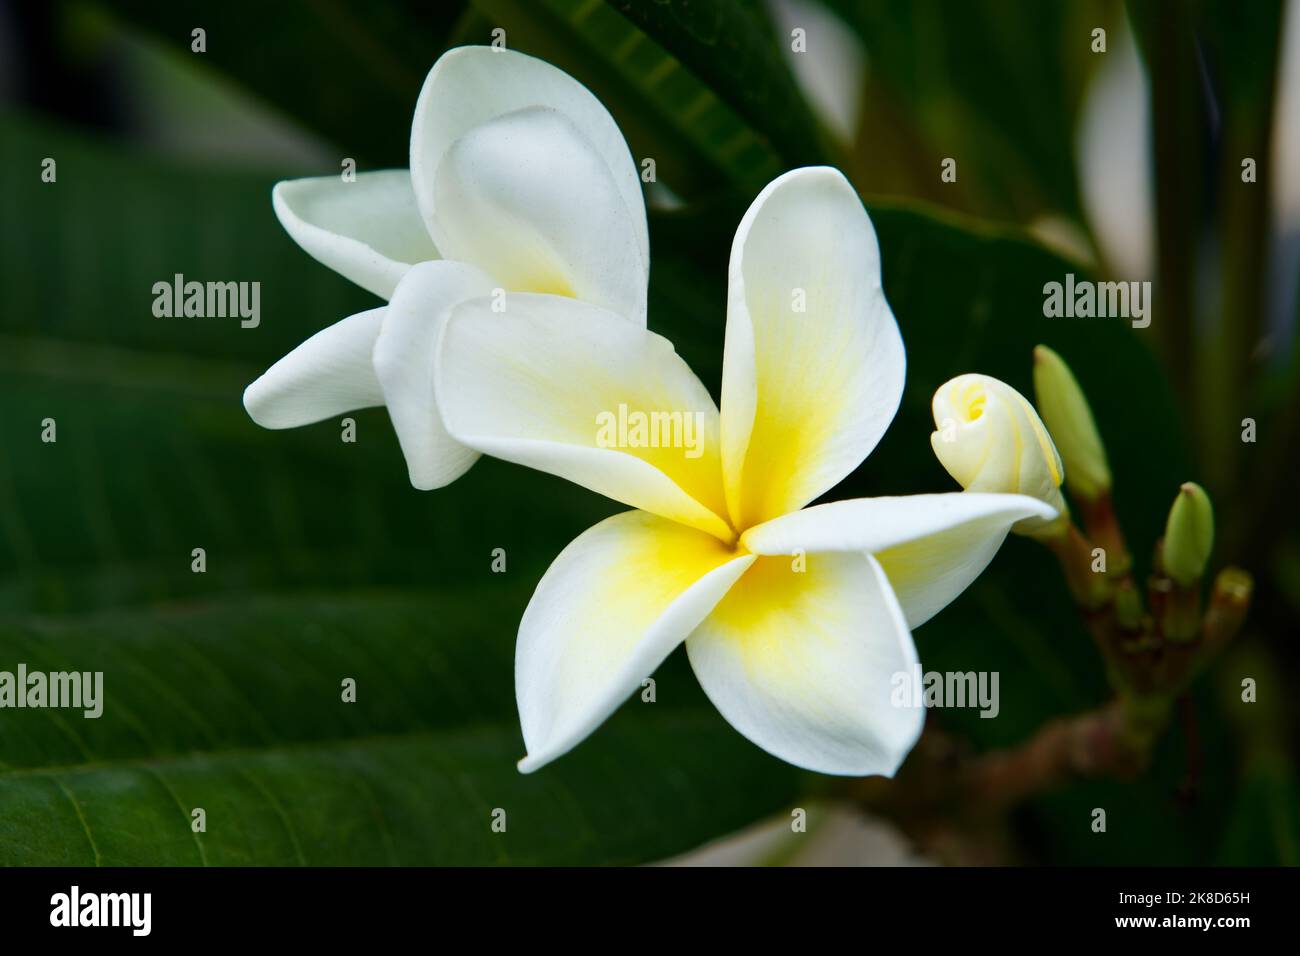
pixel 519 181
pixel 989 438
pixel 795 621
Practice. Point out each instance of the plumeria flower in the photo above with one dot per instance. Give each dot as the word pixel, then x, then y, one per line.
pixel 989 438
pixel 520 181
pixel 796 619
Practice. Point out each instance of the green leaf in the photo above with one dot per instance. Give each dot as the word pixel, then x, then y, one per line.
pixel 994 85
pixel 350 72
pixel 1264 828
pixel 236 709
pixel 728 46
pixel 701 89
pixel 709 116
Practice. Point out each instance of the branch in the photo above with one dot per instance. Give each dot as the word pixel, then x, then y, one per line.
pixel 944 790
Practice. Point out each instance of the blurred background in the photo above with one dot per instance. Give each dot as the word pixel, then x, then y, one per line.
pixel 1117 154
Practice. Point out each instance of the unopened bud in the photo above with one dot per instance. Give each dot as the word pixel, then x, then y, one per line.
pixel 1069 419
pixel 1189 535
pixel 989 438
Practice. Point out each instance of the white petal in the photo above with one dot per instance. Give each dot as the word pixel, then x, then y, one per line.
pixel 931 546
pixel 368 230
pixel 803 663
pixel 545 383
pixel 929 573
pixel 1286 130
pixel 608 611
pixel 1284 257
pixel 471 85
pixel 1114 156
pixel 404 364
pixel 528 199
pixel 832 71
pixel 327 375
pixel 806 394
pixel 873 524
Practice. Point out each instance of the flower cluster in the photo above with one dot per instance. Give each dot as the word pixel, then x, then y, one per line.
pixel 514 257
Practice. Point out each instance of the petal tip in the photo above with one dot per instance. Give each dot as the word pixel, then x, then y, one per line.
pixel 529 764
pixel 420 483
pixel 255 405
pixel 810 172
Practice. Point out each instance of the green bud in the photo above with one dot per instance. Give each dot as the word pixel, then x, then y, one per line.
pixel 1189 535
pixel 1066 413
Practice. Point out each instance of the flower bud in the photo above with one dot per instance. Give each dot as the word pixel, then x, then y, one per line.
pixel 1189 535
pixel 1068 417
pixel 989 438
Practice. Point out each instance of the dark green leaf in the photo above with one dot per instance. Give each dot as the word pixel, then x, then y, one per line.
pixel 726 46
pixel 237 709
pixel 349 71
pixel 994 85
pixel 700 136
pixel 1265 825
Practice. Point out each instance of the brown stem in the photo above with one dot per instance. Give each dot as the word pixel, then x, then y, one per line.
pixel 1074 552
pixel 943 781
pixel 1229 602
pixel 1104 530
pixel 1086 745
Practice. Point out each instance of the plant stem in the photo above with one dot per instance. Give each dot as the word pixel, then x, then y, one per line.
pixel 943 787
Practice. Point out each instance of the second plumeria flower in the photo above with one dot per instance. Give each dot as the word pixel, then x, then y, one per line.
pixel 989 438
pixel 519 182
pixel 796 620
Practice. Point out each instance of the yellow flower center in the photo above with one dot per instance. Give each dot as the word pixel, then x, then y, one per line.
pixel 973 399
